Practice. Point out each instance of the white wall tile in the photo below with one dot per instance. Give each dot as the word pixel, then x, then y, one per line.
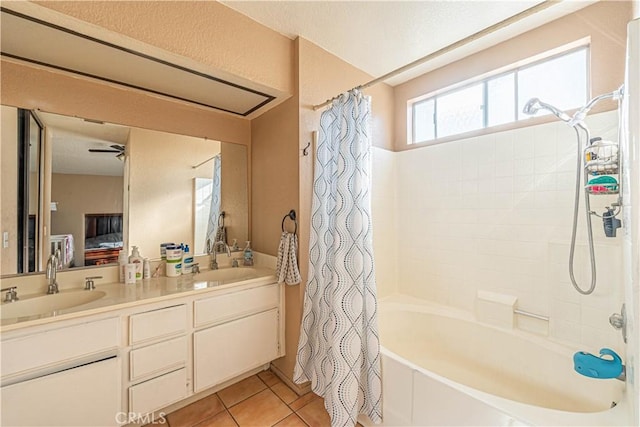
pixel 494 213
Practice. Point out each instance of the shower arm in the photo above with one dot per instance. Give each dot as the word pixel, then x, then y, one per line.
pixel 581 114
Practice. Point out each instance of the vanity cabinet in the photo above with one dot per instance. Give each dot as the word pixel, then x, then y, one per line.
pixel 235 332
pixel 64 376
pixel 140 359
pixel 88 395
pixel 226 351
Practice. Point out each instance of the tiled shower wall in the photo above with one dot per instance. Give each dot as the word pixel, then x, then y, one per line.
pixel 494 213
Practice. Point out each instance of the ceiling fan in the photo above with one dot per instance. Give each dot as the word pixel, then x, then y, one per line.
pixel 115 148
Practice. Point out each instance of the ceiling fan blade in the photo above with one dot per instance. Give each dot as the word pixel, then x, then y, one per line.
pixel 118 147
pixel 100 150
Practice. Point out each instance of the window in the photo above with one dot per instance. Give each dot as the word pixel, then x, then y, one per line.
pixel 561 80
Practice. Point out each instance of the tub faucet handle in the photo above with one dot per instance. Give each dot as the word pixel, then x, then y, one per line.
pixel 619 322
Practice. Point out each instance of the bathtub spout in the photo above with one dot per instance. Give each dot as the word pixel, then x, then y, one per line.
pixel 600 367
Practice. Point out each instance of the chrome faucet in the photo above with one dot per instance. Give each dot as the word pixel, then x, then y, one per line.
pixel 12 294
pixel 52 269
pixel 212 249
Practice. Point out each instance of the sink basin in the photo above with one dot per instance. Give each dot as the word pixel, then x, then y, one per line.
pixel 44 304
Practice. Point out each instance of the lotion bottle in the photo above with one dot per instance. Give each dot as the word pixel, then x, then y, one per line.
pixel 187 261
pixel 248 255
pixel 123 260
pixel 136 259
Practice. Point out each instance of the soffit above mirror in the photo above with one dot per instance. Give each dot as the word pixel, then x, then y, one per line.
pixel 39 42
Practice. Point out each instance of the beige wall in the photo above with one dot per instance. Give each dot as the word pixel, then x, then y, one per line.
pixel 604 22
pixel 78 195
pixel 161 187
pixel 9 189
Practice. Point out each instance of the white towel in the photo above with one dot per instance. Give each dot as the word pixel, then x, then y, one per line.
pixel 287 267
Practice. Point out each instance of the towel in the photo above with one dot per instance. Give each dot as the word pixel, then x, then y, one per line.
pixel 287 267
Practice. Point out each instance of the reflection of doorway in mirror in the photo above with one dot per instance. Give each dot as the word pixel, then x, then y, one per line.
pixel 87 179
pixel 203 188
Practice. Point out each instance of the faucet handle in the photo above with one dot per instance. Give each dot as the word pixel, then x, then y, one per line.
pixel 12 294
pixel 89 284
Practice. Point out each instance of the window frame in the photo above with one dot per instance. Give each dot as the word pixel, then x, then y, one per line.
pixel 484 80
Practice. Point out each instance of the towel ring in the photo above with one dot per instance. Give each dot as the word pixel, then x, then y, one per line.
pixel 292 216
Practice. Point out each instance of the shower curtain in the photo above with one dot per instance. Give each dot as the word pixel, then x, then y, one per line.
pixel 216 196
pixel 339 349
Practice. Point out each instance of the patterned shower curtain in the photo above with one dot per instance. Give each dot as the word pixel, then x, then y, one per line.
pixel 339 349
pixel 216 197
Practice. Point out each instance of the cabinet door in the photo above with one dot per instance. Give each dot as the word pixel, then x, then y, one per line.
pixel 88 395
pixel 225 351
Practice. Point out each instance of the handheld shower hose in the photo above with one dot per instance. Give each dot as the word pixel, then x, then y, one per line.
pixel 577 123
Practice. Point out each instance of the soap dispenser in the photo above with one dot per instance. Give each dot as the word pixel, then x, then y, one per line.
pixel 136 259
pixel 187 260
pixel 248 255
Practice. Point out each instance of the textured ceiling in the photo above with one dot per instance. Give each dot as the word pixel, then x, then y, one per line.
pixel 380 36
pixel 73 137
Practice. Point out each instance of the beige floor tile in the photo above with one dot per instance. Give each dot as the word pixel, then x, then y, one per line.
pixel 303 400
pixel 285 393
pixel 240 391
pixel 314 414
pixel 269 378
pixel 196 412
pixel 263 409
pixel 291 421
pixel 223 419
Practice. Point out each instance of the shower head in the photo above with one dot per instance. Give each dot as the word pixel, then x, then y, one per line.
pixel 534 105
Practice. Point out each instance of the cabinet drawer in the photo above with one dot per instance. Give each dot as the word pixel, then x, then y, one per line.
pixel 89 395
pixel 158 358
pixel 228 350
pixel 159 392
pixel 218 309
pixel 42 350
pixel 156 324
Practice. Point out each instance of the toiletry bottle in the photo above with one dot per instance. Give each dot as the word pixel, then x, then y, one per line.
pixel 248 255
pixel 136 259
pixel 123 260
pixel 146 269
pixel 187 260
pixel 235 246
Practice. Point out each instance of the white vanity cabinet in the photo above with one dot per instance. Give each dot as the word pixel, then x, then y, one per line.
pixel 245 334
pixel 158 358
pixel 62 376
pixel 138 360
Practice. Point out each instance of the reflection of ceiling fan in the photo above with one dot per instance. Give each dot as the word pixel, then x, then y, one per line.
pixel 115 148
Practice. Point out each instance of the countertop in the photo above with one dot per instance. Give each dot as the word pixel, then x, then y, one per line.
pixel 118 295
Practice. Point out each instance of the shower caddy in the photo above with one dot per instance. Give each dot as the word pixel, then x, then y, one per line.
pixel 602 177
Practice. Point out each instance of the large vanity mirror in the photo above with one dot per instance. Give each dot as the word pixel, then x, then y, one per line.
pixel 88 189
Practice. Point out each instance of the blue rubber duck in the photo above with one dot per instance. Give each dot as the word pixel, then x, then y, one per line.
pixel 601 367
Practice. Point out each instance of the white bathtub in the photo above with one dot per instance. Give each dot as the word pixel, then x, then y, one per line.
pixel 441 367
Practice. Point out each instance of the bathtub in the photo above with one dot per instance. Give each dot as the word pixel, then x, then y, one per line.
pixel 441 367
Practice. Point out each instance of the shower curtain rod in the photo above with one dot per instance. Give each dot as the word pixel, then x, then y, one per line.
pixel 493 28
pixel 202 163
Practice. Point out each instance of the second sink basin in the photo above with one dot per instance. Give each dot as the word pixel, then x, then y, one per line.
pixel 47 303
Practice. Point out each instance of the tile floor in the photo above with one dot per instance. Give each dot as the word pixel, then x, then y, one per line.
pixel 261 400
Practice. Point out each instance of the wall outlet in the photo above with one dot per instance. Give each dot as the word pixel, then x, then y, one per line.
pixel 5 239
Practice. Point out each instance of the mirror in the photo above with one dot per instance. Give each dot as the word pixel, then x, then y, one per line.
pixel 107 186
